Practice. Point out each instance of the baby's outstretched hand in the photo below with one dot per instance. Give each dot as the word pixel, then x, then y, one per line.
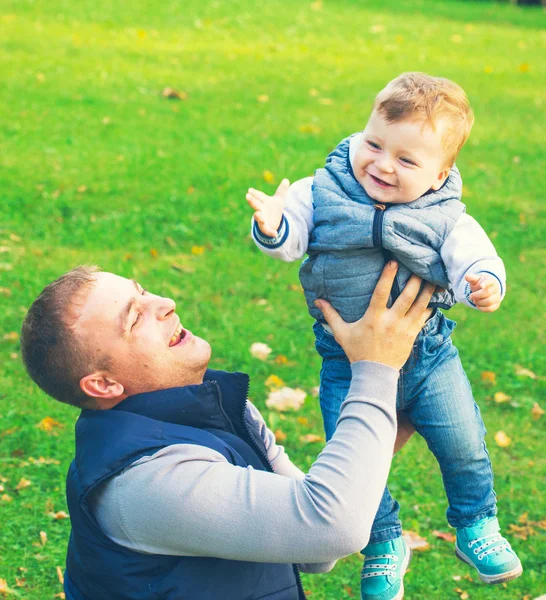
pixel 486 291
pixel 268 209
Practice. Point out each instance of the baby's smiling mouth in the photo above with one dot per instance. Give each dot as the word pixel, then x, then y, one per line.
pixel 380 182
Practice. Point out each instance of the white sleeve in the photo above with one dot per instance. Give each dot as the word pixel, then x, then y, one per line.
pixel 468 249
pixel 296 226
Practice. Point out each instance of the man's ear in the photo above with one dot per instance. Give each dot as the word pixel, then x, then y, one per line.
pixel 442 176
pixel 105 391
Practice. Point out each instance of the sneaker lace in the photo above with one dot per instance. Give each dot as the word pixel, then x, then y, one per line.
pixel 489 544
pixel 385 568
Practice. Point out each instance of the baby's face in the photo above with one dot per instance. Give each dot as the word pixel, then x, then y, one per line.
pixel 399 162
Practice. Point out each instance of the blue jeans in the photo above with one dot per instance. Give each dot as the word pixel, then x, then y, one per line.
pixel 434 392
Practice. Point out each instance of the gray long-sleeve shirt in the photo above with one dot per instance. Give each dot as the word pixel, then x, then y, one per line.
pixel 187 500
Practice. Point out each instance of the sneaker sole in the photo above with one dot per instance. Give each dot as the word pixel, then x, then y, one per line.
pixel 492 579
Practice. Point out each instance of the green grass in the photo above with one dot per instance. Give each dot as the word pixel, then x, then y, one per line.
pixel 81 105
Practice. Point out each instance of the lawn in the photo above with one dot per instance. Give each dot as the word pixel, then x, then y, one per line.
pixel 97 166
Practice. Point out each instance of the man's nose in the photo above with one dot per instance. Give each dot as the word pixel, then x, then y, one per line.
pixel 165 308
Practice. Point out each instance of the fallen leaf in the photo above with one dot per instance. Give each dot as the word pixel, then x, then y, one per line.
pixel 456 578
pixel 524 68
pixel 260 350
pixel 268 177
pixel 198 250
pixel 348 590
pixel 5 291
pixel 59 515
pixel 286 398
pixel 173 94
pixel 311 438
pixel 43 538
pixel 313 92
pixel 303 421
pixel 48 424
pixel 13 336
pixel 415 541
pixel 14 237
pixel 488 69
pixel 444 535
pixel 502 439
pixel 280 436
pixel 6 498
pixel 536 411
pixel 523 372
pixel 489 377
pixel 23 483
pixel 61 596
pixel 274 382
pixel 281 359
pixel 154 253
pixel 309 128
pixel 326 101
pixel 263 98
pixel 500 397
pixel 82 189
pixel 60 575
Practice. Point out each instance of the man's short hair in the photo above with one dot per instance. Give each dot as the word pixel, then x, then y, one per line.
pixel 417 95
pixel 53 356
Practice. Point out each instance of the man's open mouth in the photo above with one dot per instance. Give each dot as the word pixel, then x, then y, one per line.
pixel 178 336
pixel 380 182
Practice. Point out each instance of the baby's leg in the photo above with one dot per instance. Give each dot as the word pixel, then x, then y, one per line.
pixel 335 379
pixel 439 402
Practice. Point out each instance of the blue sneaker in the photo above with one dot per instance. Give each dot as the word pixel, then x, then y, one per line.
pixel 383 571
pixel 483 547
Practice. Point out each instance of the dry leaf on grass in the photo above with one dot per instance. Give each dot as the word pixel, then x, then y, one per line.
pixel 523 372
pixel 48 424
pixel 274 382
pixel 286 398
pixel 260 350
pixel 23 483
pixel 173 94
pixel 489 377
pixel 415 541
pixel 43 538
pixel 444 535
pixel 536 411
pixel 502 439
pixel 500 397
pixel 59 515
pixel 268 177
pixel 311 438
pixel 280 436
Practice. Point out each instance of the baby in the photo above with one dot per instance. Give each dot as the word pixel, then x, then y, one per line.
pixel 394 192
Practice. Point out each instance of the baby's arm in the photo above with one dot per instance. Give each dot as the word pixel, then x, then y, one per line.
pixel 474 268
pixel 282 223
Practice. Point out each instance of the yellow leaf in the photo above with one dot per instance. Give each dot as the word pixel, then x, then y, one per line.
pixel 488 69
pixel 281 359
pixel 6 498
pixel 523 372
pixel 23 483
pixel 313 92
pixel 536 411
pixel 500 397
pixel 502 439
pixel 415 541
pixel 263 98
pixel 59 515
pixel 198 250
pixel 4 586
pixel 273 381
pixel 173 94
pixel 444 535
pixel 268 177
pixel 309 128
pixel 190 190
pixel 280 436
pixel 141 34
pixel 12 336
pixel 310 438
pixel 154 253
pixel 303 420
pixel 524 68
pixel 60 575
pixel 465 596
pixel 489 377
pixel 47 424
pixel 43 538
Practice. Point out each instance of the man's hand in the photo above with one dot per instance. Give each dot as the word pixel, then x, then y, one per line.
pixel 268 209
pixel 486 291
pixel 383 335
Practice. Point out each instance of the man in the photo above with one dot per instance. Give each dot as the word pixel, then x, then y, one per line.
pixel 178 490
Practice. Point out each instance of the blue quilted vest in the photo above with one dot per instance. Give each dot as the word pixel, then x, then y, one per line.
pixel 354 236
pixel 210 415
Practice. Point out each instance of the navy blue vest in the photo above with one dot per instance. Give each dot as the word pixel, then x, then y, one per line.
pixel 107 441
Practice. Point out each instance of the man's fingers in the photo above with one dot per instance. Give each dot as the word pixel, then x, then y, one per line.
pixel 409 293
pixel 330 314
pixel 384 286
pixel 419 307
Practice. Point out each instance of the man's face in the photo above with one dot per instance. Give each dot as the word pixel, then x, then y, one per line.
pixel 399 162
pixel 141 334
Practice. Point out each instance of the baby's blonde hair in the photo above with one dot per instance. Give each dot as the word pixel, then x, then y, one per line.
pixel 418 95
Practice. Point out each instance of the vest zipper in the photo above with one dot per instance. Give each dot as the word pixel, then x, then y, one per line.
pixel 230 423
pixel 377 228
pixel 265 459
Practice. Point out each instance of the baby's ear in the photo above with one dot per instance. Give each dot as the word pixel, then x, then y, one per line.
pixel 442 176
